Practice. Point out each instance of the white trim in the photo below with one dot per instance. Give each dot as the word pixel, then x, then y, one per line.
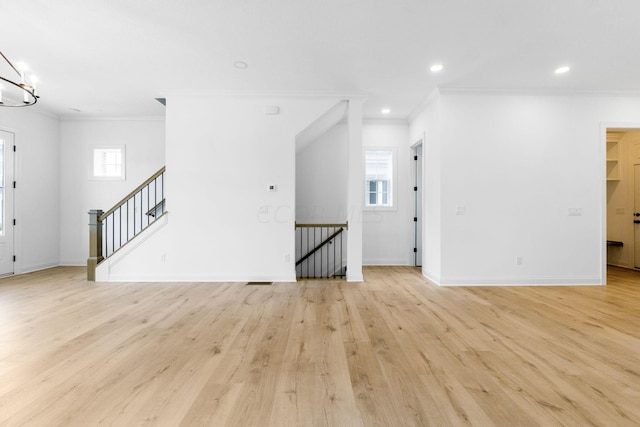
pixel 9 217
pixel 89 118
pixel 42 111
pixel 35 268
pixel 419 142
pixel 264 94
pixel 433 278
pixel 386 263
pixel 354 277
pixel 394 183
pixel 72 263
pixel 521 281
pixel 392 121
pixel 536 92
pixel 433 96
pixel 202 279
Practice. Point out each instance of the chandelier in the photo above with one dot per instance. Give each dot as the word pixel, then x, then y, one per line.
pixel 17 88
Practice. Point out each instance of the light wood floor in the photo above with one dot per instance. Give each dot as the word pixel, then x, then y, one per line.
pixel 394 351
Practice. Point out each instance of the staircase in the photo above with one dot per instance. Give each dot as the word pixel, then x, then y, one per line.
pixel 321 251
pixel 111 230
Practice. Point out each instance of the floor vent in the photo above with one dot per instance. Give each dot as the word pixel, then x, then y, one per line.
pixel 259 283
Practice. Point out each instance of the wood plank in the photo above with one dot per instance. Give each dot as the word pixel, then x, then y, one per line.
pixel 394 350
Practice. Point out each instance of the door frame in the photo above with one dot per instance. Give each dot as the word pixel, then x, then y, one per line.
pixel 10 216
pixel 604 127
pixel 418 197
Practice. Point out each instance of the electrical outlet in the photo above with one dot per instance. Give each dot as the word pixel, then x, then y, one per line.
pixel 287 258
pixel 575 212
pixel 519 260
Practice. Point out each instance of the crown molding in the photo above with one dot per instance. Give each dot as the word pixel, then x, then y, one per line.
pixel 96 118
pixel 33 109
pixel 433 96
pixel 264 94
pixel 375 120
pixel 516 92
pixel 537 92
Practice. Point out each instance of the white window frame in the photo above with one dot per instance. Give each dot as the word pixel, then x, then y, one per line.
pixel 123 163
pixel 394 180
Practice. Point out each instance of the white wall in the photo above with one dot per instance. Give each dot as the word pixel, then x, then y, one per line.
pixel 321 185
pixel 37 201
pixel 144 141
pixel 321 178
pixel 223 224
pixel 426 127
pixel 515 165
pixel 387 235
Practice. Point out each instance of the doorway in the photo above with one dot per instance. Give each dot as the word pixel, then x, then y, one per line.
pixel 622 197
pixel 6 203
pixel 417 164
pixel 636 215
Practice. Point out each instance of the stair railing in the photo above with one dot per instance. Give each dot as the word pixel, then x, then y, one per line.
pixel 109 231
pixel 320 250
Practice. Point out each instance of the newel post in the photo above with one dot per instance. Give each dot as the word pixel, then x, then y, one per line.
pixel 95 243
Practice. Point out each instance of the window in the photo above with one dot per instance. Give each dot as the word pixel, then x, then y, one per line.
pixel 108 163
pixel 379 178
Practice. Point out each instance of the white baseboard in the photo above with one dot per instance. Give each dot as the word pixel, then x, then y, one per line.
pixel 34 268
pixel 200 279
pixel 521 281
pixel 386 262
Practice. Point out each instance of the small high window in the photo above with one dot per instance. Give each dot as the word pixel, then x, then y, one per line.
pixel 108 163
pixel 379 178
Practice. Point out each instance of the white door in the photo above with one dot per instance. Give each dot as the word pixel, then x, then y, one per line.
pixel 6 203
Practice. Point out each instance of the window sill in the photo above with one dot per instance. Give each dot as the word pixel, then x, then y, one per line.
pixel 380 208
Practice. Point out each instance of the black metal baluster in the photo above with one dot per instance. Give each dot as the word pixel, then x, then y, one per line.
pixel 104 234
pixel 321 249
pixel 141 211
pixel 120 226
pixel 334 257
pixel 113 232
pixel 341 273
pixel 310 243
pixel 128 220
pixel 149 207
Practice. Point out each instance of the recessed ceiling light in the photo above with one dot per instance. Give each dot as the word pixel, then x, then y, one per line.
pixel 385 111
pixel 240 65
pixel 436 68
pixel 562 70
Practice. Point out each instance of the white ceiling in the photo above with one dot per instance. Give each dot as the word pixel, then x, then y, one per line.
pixel 113 57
